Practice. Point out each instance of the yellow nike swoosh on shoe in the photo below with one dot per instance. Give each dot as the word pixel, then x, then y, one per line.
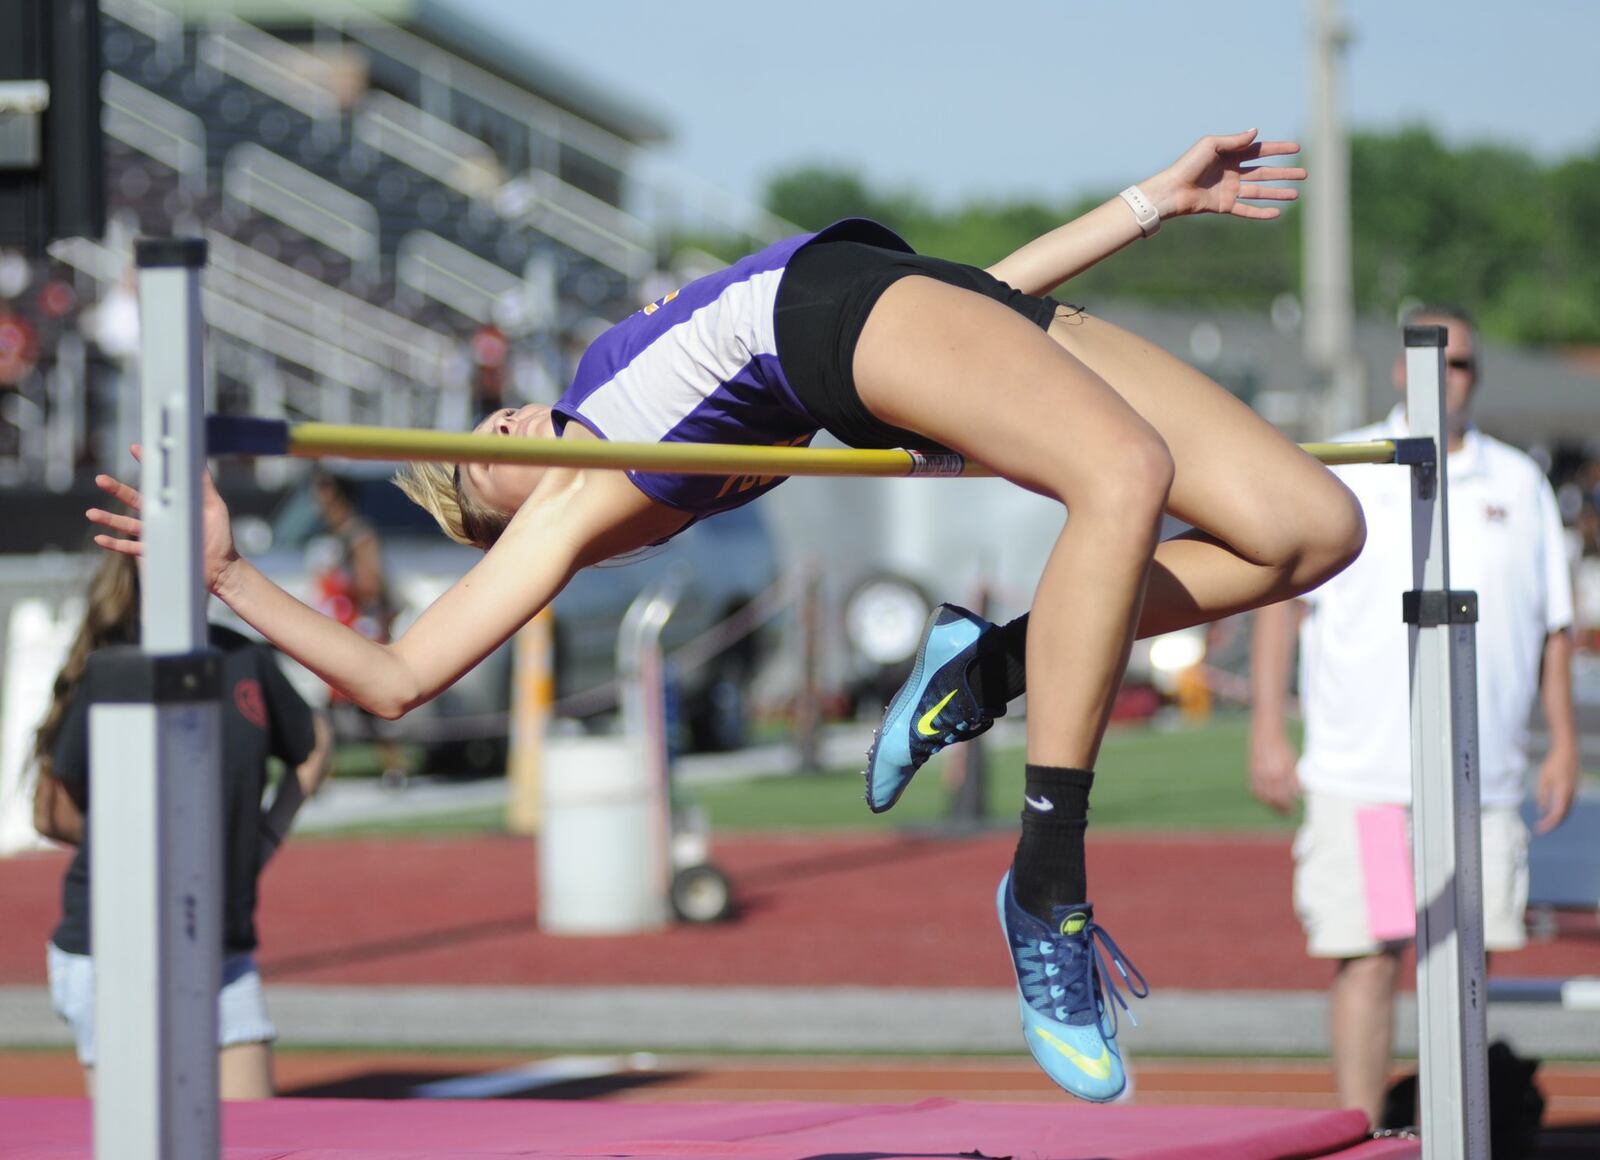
pixel 925 722
pixel 1095 1068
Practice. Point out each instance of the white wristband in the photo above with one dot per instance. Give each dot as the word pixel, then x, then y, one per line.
pixel 1144 212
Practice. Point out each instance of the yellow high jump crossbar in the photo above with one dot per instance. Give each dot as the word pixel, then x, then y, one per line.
pixel 234 435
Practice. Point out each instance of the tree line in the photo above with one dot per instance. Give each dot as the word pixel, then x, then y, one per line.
pixel 1487 227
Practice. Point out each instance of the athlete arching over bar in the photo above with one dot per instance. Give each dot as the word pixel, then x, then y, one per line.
pixel 849 331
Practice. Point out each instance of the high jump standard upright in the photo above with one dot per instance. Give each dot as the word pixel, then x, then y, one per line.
pixel 1452 1048
pixel 155 811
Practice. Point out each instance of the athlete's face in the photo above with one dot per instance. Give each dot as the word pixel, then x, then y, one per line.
pixel 504 486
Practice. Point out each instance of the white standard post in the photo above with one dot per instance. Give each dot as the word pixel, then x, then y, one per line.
pixel 1452 1052
pixel 155 800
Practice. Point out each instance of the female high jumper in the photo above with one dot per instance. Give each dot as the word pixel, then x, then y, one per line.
pixel 848 330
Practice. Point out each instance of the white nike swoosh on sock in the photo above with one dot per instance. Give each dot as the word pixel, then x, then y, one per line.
pixel 1043 805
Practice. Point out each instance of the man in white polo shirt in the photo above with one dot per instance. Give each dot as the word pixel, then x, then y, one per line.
pixel 1352 873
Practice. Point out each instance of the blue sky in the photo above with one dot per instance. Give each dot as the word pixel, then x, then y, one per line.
pixel 1052 98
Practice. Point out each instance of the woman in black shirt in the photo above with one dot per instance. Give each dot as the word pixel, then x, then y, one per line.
pixel 262 717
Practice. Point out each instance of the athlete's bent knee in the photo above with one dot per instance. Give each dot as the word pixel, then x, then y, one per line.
pixel 1130 480
pixel 1333 540
pixel 1143 474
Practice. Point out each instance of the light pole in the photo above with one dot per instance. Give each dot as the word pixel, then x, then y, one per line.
pixel 1327 283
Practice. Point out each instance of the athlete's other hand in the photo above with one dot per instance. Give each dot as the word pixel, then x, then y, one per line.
pixel 1215 176
pixel 216 529
pixel 1272 770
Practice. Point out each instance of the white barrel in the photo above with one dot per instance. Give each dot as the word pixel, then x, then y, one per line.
pixel 602 854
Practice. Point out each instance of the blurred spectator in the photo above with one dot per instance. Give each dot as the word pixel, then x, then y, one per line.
pixel 1586 579
pixel 490 351
pixel 262 717
pixel 114 323
pixel 19 348
pixel 1506 543
pixel 57 298
pixel 348 582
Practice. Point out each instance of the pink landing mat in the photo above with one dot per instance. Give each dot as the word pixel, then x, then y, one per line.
pixel 44 1129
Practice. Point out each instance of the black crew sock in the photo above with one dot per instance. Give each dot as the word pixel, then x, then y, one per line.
pixel 999 674
pixel 1048 870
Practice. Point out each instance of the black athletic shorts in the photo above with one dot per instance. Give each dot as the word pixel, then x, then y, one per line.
pixel 827 292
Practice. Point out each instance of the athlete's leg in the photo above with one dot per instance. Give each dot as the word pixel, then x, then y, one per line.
pixel 1051 424
pixel 981 379
pixel 1273 522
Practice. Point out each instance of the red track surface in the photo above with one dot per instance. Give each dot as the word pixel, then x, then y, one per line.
pixel 1194 912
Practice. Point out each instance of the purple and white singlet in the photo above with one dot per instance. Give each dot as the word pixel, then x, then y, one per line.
pixel 701 366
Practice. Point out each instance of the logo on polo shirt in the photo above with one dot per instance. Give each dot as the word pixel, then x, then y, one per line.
pixel 251 704
pixel 1495 514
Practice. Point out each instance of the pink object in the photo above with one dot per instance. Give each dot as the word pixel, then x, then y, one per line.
pixel 1384 833
pixel 291 1129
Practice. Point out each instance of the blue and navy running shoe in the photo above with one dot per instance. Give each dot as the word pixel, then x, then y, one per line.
pixel 1069 1003
pixel 934 708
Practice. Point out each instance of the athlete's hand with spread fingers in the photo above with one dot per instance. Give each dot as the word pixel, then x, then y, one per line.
pixel 1215 176
pixel 216 528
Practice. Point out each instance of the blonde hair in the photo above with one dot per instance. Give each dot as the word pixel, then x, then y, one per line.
pixel 436 489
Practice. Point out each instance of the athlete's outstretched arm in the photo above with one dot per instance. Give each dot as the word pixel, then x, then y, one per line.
pixel 572 519
pixel 1212 177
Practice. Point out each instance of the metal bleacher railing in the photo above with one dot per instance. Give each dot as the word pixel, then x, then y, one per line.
pixel 580 220
pixel 358 357
pixel 366 359
pixel 162 27
pixel 528 134
pixel 474 288
pixel 359 236
pixel 428 145
pixel 272 66
pixel 436 151
pixel 548 140
pixel 271 184
pixel 156 127
pixel 403 348
pixel 362 360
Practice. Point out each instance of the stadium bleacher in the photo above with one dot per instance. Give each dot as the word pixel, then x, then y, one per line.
pixel 374 201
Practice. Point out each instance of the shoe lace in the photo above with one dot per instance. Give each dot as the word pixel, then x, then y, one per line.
pixel 979 721
pixel 1083 977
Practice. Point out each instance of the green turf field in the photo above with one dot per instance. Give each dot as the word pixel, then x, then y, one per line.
pixel 1188 778
pixel 1184 778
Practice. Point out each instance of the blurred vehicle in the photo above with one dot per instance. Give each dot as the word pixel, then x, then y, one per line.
pixel 721 564
pixel 908 544
pixel 885 614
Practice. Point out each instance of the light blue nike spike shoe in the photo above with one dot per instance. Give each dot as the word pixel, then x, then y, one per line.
pixel 1063 991
pixel 934 708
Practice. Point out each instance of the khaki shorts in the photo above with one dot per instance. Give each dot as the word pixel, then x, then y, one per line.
pixel 1330 893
